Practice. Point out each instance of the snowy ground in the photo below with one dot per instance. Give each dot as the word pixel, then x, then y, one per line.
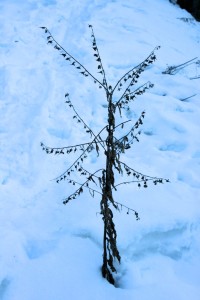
pixel 50 251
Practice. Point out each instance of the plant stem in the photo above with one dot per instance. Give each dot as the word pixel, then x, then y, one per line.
pixel 109 237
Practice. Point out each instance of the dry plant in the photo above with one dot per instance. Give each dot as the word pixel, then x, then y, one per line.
pixel 112 147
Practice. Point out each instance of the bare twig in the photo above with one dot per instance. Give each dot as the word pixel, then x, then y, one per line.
pixel 185 99
pixel 172 70
pixel 197 77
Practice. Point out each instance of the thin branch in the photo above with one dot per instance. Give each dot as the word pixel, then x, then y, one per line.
pixel 144 177
pixel 51 39
pixel 124 143
pixel 93 173
pixel 122 123
pixel 59 150
pixel 185 99
pixel 186 62
pixel 80 190
pixel 85 125
pixel 79 158
pixel 139 68
pixel 131 181
pixel 174 69
pixel 98 59
pixel 128 209
pixel 131 95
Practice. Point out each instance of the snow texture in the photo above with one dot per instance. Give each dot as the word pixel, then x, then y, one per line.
pixel 50 251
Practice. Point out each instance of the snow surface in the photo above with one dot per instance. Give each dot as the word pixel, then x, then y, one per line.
pixel 49 251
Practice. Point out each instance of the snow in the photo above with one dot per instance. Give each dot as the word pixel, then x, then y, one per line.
pixel 51 251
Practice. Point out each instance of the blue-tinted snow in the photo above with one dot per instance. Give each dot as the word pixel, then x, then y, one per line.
pixel 50 251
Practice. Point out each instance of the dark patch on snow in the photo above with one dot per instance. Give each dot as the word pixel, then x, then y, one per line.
pixel 3 287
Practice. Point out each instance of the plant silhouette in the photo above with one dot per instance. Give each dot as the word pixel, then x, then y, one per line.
pixel 112 147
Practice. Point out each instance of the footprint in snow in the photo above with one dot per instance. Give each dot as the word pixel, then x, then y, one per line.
pixel 173 147
pixel 3 287
pixel 36 248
